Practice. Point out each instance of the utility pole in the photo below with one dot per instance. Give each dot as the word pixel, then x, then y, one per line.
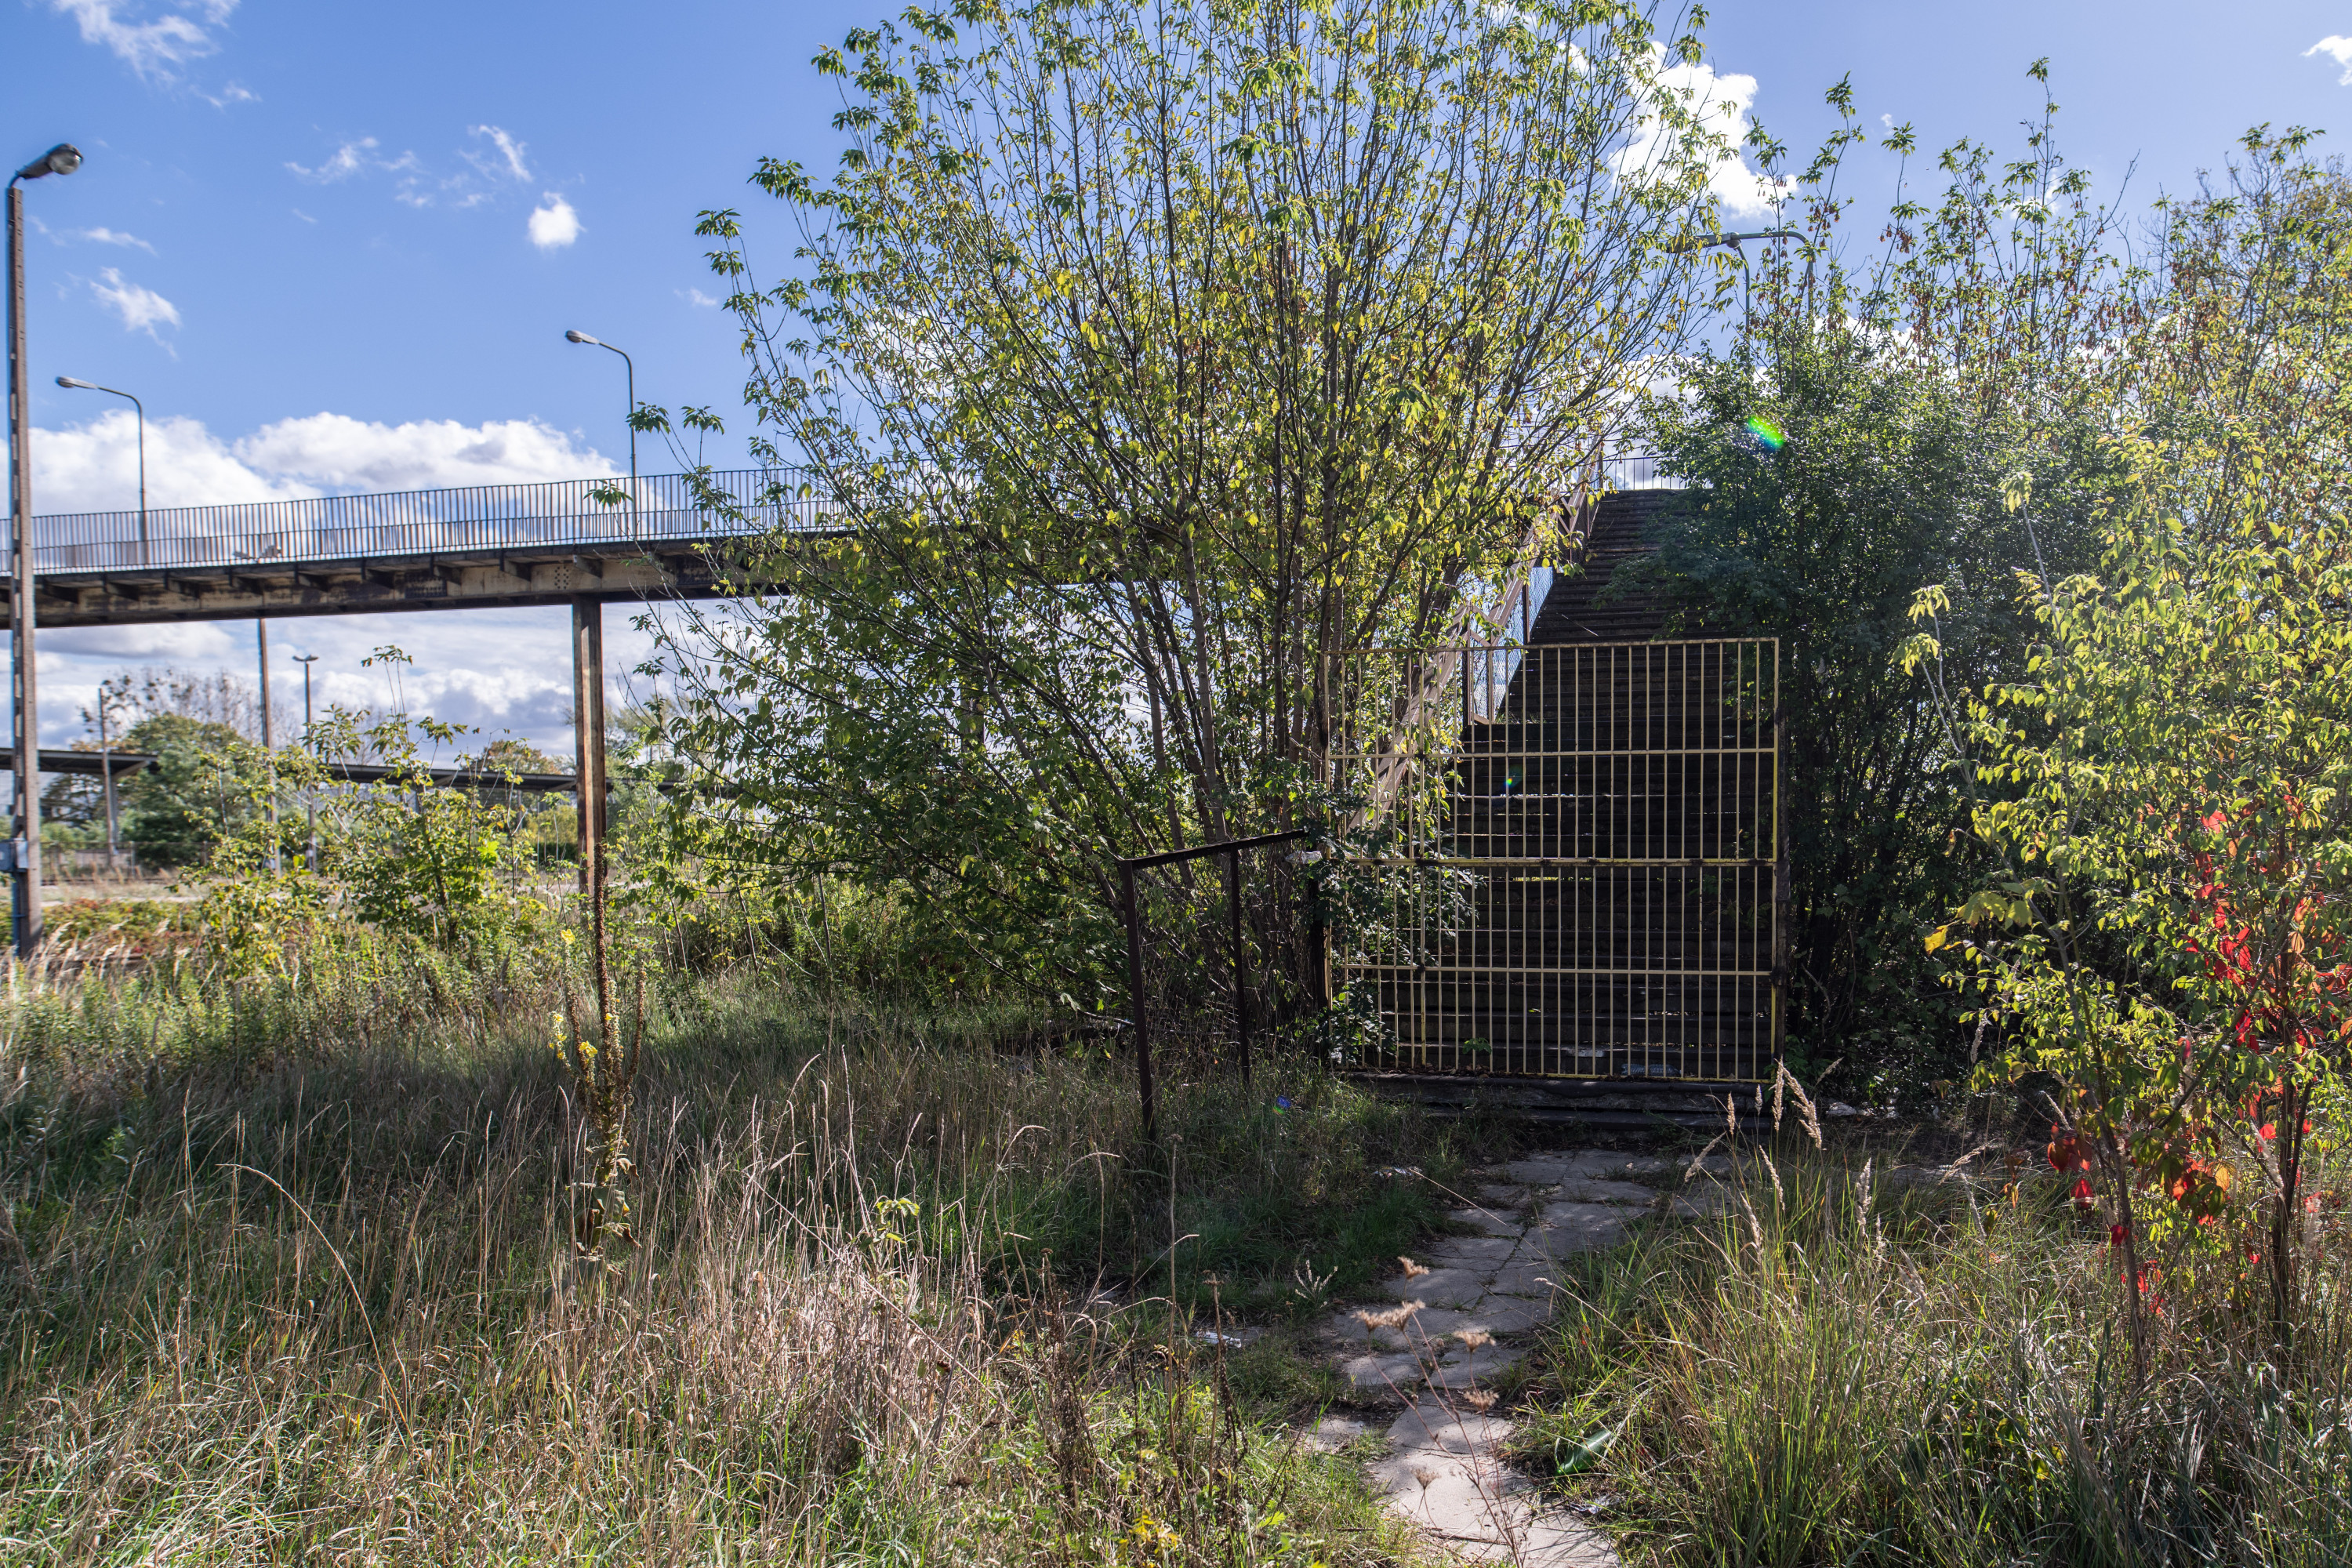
pixel 268 739
pixel 310 804
pixel 25 907
pixel 106 761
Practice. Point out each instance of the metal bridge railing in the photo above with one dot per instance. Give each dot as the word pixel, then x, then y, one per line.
pixel 418 523
pixel 478 517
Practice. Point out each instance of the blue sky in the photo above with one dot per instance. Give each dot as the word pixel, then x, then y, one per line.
pixel 337 245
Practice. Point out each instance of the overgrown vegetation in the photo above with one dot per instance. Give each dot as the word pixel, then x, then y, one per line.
pixel 302 1287
pixel 1941 1374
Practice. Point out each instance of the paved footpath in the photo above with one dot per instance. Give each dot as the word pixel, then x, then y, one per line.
pixel 1460 1314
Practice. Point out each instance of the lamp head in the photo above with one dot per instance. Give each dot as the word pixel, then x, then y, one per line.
pixel 62 159
pixel 80 386
pixel 576 336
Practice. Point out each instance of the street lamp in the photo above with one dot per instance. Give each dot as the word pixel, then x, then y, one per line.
pixel 577 336
pixel 76 383
pixel 26 902
pixel 1703 242
pixel 311 806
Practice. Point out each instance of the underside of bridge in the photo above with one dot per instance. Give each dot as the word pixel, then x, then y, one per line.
pixel 467 580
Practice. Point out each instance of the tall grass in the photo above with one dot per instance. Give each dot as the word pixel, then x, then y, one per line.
pixel 275 1294
pixel 1825 1378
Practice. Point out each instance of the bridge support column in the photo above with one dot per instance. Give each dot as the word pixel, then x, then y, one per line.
pixel 588 731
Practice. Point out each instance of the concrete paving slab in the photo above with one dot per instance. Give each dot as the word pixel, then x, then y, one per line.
pixel 1534 1278
pixel 1499 1314
pixel 1610 1166
pixel 1492 1221
pixel 1439 1287
pixel 1571 1227
pixel 1445 1469
pixel 1472 1252
pixel 1463 1368
pixel 1430 1423
pixel 1397 1373
pixel 1593 1190
pixel 1348 1330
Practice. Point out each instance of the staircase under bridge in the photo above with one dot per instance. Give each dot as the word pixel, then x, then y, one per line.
pixel 1591 891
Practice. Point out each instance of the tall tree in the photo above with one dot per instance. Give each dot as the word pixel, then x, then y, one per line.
pixel 1148 356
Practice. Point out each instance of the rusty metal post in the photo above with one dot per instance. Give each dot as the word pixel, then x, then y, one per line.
pixel 1241 961
pixel 588 732
pixel 1135 998
pixel 1780 885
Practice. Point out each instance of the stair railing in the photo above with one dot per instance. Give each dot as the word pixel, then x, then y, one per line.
pixel 1418 711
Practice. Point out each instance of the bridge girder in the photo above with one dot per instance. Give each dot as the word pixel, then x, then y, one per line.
pixel 460 580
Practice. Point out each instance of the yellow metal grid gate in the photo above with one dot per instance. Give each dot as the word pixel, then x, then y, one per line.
pixel 1585 875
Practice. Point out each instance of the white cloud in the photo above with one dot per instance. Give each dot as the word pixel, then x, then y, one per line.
pixel 231 93
pixel 95 466
pixel 509 150
pixel 142 310
pixel 349 159
pixel 2337 49
pixel 1721 103
pixel 111 237
pixel 150 47
pixel 553 224
pixel 697 297
pixel 342 453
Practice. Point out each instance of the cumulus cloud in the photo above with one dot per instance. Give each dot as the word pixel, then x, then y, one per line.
pixel 94 467
pixel 343 453
pixel 553 224
pixel 142 310
pixel 153 47
pixel 1721 100
pixel 509 160
pixel 2338 50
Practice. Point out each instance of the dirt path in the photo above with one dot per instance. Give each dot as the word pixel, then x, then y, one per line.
pixel 1462 1314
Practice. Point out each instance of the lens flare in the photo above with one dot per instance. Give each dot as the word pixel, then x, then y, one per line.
pixel 1764 430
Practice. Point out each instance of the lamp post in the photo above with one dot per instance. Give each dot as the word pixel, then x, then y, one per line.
pixel 311 807
pixel 577 336
pixel 1734 241
pixel 25 905
pixel 76 383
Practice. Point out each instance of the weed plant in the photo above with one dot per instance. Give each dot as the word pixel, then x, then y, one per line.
pixel 1940 1377
pixel 289 1275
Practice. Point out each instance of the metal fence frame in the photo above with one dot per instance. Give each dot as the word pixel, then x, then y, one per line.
pixel 1138 996
pixel 1610 817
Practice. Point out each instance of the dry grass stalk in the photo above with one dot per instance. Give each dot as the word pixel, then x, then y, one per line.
pixel 1393 1317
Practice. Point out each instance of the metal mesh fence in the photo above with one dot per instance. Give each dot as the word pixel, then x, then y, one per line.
pixel 1597 872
